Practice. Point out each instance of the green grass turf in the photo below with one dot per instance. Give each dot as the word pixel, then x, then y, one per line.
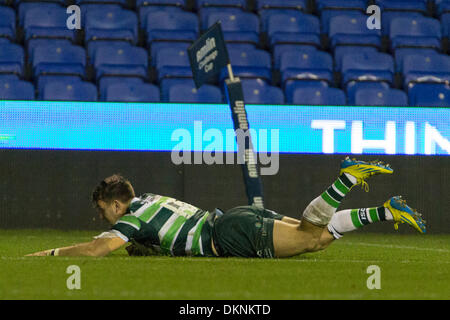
pixel 412 267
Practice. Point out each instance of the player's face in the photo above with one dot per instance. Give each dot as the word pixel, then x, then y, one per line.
pixel 111 211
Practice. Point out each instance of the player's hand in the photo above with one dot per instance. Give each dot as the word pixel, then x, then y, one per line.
pixel 40 254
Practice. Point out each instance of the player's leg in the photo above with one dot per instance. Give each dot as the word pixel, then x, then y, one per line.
pixel 311 234
pixel 395 209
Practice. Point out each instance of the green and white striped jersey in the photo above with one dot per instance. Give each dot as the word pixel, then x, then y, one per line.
pixel 171 226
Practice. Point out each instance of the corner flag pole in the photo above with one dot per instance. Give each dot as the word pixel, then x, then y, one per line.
pixel 208 56
pixel 250 170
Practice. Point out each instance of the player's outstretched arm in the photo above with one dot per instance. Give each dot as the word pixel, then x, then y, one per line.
pixel 96 248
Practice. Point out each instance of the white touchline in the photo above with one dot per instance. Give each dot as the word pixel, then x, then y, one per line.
pixel 395 246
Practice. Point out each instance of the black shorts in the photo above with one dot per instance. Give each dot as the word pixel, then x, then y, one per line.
pixel 245 231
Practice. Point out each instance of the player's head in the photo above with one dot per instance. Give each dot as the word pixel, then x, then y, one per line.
pixel 112 196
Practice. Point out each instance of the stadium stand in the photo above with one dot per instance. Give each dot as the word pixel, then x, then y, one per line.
pixel 131 92
pixel 14 89
pixel 275 46
pixel 380 97
pixel 429 95
pixel 74 91
pixel 186 92
pixel 319 96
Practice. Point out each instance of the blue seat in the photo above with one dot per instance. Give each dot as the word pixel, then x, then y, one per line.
pixel 111 24
pixel 250 64
pixel 47 22
pixel 367 67
pixel 187 92
pixel 126 92
pixel 93 46
pixel 445 23
pixel 237 27
pixel 430 68
pixel 89 6
pixel 144 10
pixel 401 53
pixel 352 30
pixel 279 49
pixel 76 91
pixel 341 51
pixel 124 61
pixel 442 7
pixel 259 92
pixel 11 59
pixel 266 8
pixel 205 12
pixel 319 96
pixel 415 32
pixel 403 5
pixel 105 82
pixel 306 66
pixel 59 59
pixel 16 90
pixel 122 3
pixel 172 63
pixel 171 25
pixel 354 86
pixel 220 3
pixel 376 97
pixel 7 23
pixel 24 7
pixel 429 95
pixel 322 5
pixel 327 15
pixel 388 16
pixel 34 43
pixel 159 45
pixel 44 79
pixel 296 27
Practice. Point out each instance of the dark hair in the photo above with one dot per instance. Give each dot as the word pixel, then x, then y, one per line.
pixel 112 188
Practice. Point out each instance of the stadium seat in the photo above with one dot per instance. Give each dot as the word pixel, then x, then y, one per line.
pixel 259 92
pixel 171 25
pixel 7 23
pixel 250 64
pixel 205 12
pixel 442 7
pixel 319 96
pixel 93 46
pixel 237 27
pixel 34 43
pixel 43 80
pixel 122 3
pixel 187 92
pixel 432 68
pixel 388 16
pixel 429 95
pixel 367 67
pixel 403 5
pixel 59 59
pixel 16 90
pixel 266 8
pixel 145 9
pixel 23 7
pixel 128 92
pixel 354 86
pixel 328 9
pixel 341 51
pixel 445 23
pixel 415 32
pixel 296 27
pixel 306 66
pixel 172 63
pixel 352 30
pixel 199 4
pixel 125 61
pixel 376 97
pixel 11 59
pixel 159 45
pixel 401 53
pixel 47 22
pixel 111 24
pixel 279 49
pixel 77 91
pixel 105 82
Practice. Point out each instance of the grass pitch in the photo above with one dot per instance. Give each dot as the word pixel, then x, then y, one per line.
pixel 412 267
